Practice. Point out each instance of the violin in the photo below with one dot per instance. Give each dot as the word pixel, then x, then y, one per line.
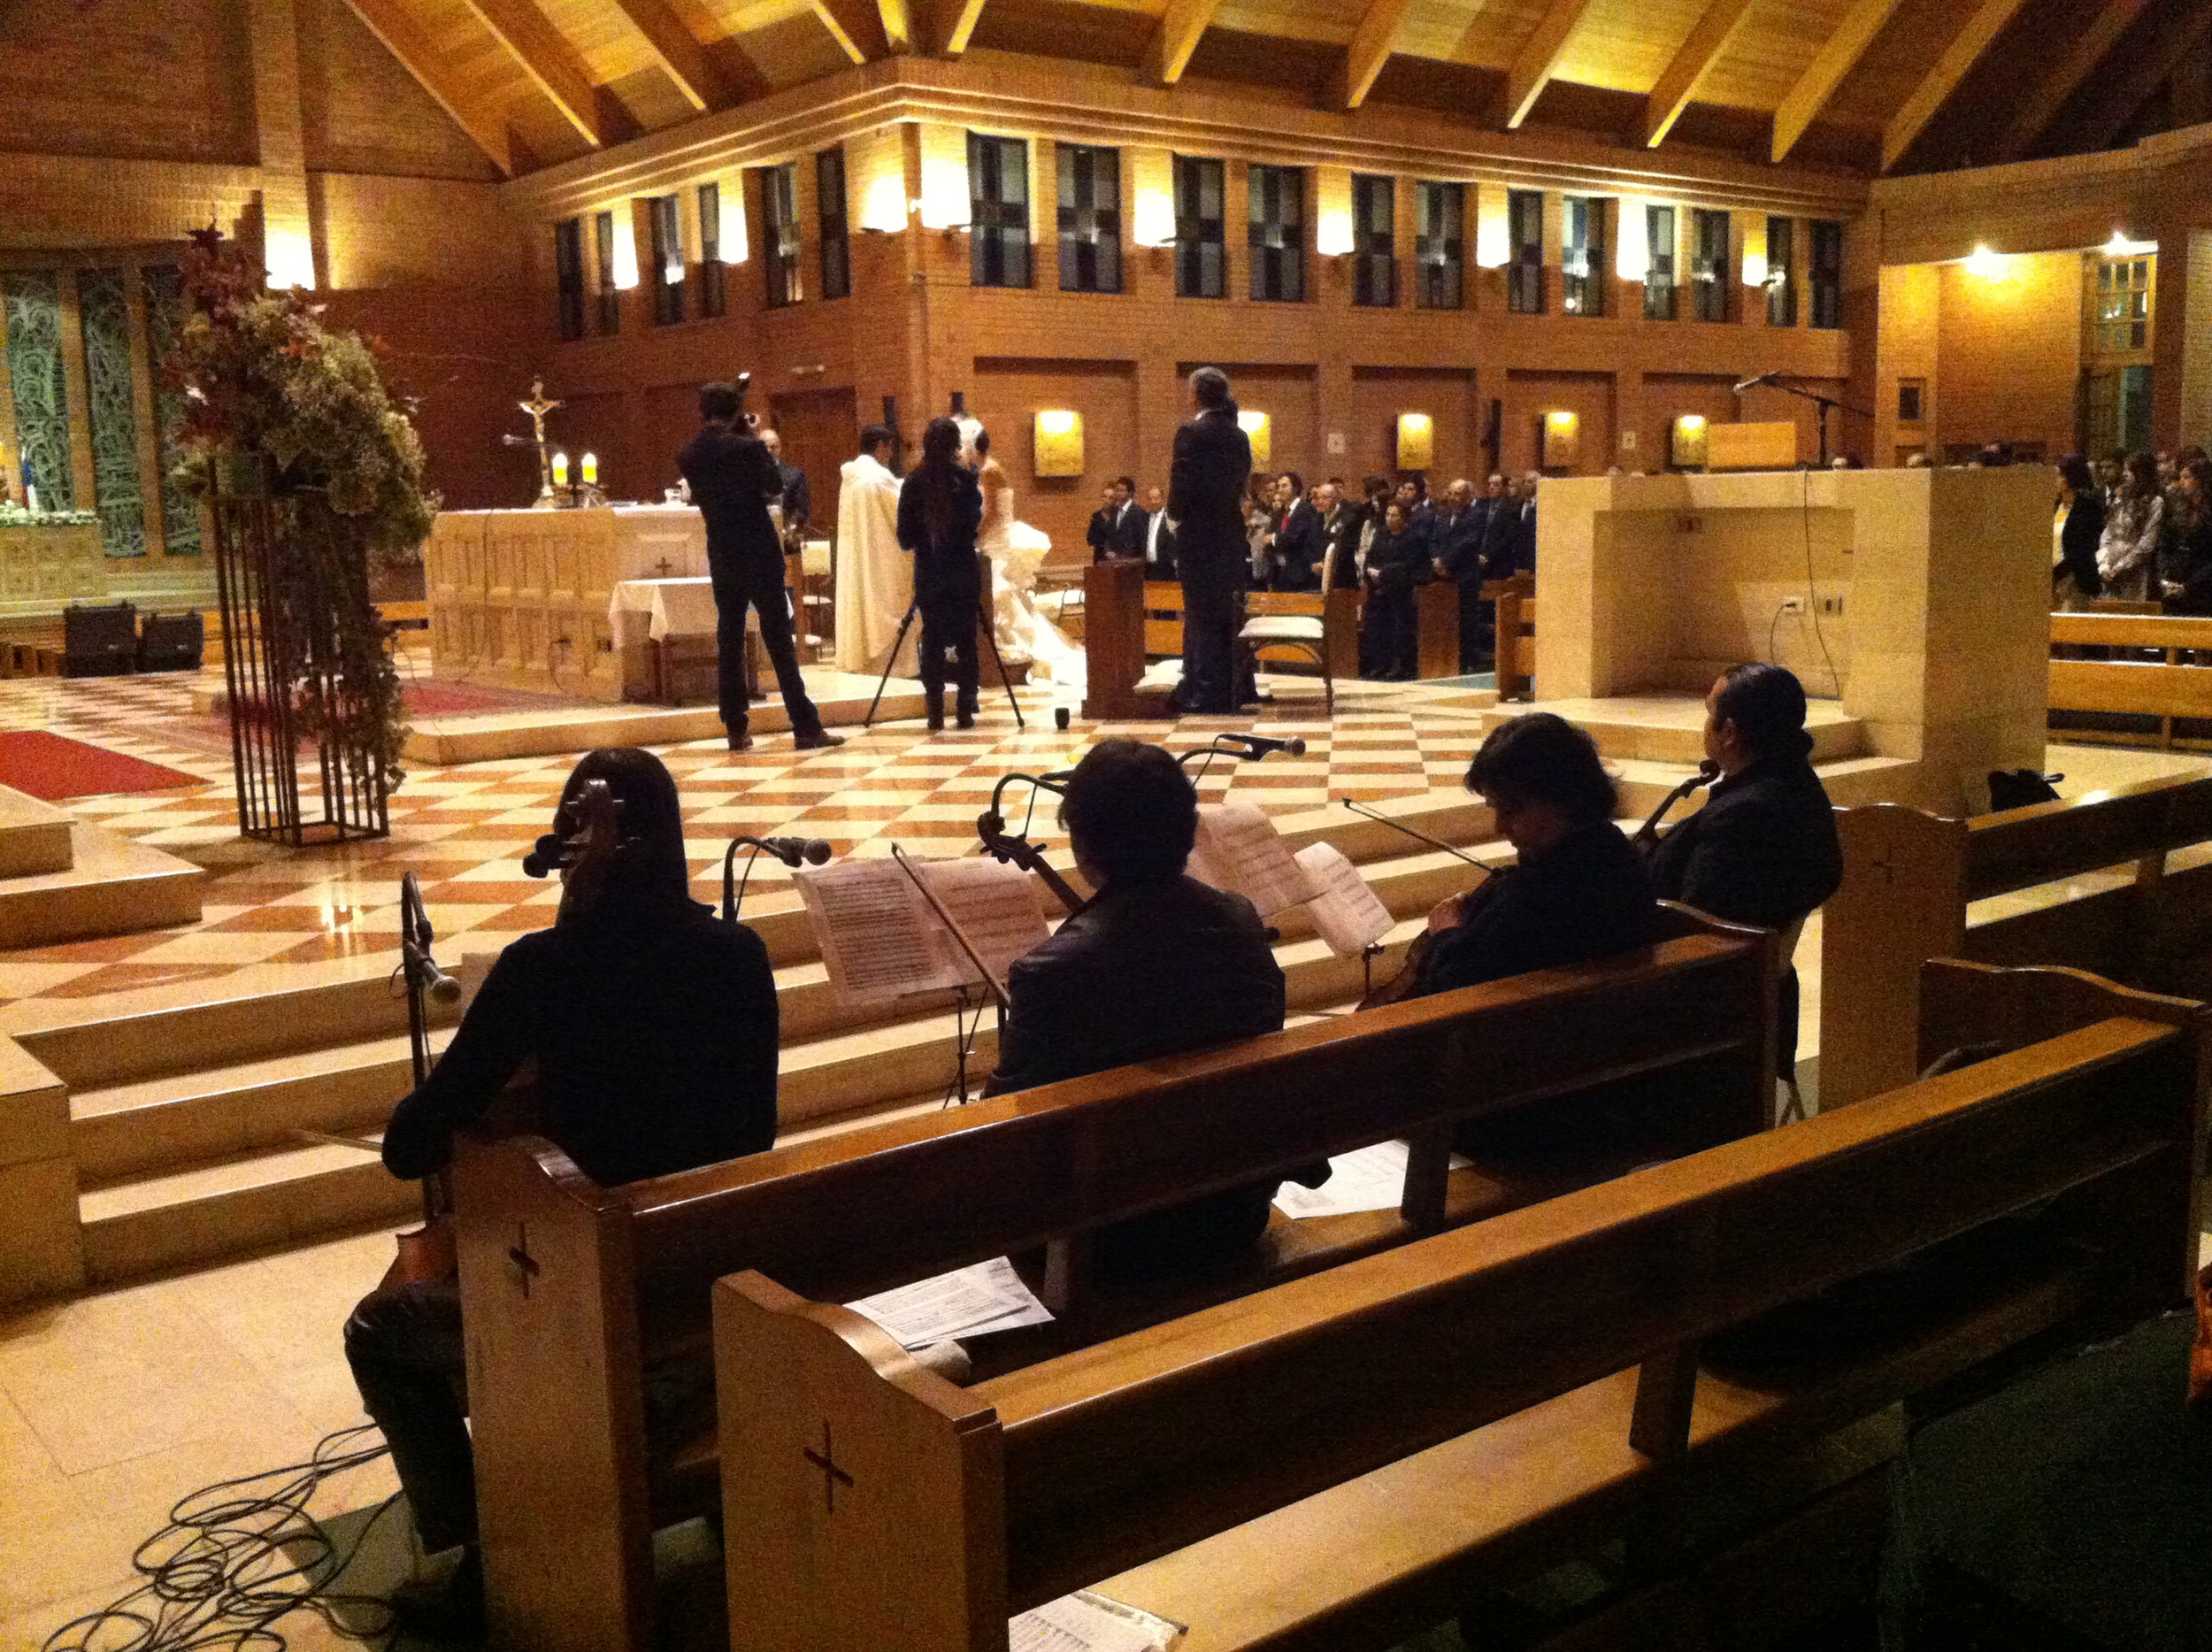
pixel 1646 836
pixel 1014 848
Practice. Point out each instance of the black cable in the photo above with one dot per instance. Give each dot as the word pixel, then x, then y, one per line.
pixel 218 1576
pixel 1805 489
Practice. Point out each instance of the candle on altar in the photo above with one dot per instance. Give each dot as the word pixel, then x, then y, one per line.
pixel 591 470
pixel 30 497
pixel 560 469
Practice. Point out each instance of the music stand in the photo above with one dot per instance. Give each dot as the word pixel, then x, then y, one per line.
pixel 990 635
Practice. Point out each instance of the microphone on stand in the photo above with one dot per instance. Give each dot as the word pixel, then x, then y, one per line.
pixel 792 851
pixel 1259 745
pixel 1752 384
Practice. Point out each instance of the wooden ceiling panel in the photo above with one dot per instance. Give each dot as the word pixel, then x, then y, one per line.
pixel 652 98
pixel 722 20
pixel 1771 52
pixel 1484 33
pixel 795 49
pixel 1625 45
pixel 1300 67
pixel 1331 21
pixel 1065 28
pixel 1898 61
pixel 610 47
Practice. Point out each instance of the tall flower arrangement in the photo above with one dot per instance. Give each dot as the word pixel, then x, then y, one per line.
pixel 270 393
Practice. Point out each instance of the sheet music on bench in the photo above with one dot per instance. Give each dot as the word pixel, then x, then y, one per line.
pixel 880 941
pixel 967 1302
pixel 1085 1622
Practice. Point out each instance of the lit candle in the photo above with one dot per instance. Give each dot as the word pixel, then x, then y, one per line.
pixel 591 470
pixel 560 469
pixel 30 496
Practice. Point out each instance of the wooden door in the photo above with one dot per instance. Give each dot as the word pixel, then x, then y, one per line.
pixel 820 430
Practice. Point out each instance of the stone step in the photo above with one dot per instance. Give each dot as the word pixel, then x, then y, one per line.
pixel 1669 727
pixel 33 836
pixel 110 886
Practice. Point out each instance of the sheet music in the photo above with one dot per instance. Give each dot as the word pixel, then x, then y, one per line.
pixel 968 1301
pixel 995 904
pixel 1085 1622
pixel 1371 1179
pixel 1347 914
pixel 879 940
pixel 1238 849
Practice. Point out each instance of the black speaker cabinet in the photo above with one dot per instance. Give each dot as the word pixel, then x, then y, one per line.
pixel 170 642
pixel 99 640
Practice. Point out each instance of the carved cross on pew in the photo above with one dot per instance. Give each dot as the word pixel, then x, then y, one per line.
pixel 525 1265
pixel 1887 867
pixel 663 567
pixel 826 1460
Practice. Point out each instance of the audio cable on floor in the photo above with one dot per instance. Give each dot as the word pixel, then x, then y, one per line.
pixel 219 1575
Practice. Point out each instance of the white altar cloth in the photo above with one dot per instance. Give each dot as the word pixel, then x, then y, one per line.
pixel 661 609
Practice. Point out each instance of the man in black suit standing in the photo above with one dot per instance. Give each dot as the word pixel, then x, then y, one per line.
pixel 1298 542
pixel 1158 538
pixel 1117 526
pixel 1502 534
pixel 732 476
pixel 1456 542
pixel 798 499
pixel 1525 528
pixel 1205 497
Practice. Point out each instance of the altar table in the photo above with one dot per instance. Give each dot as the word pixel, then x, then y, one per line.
pixel 46 567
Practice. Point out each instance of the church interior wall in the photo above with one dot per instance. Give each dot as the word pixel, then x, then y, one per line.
pixel 2009 352
pixel 146 79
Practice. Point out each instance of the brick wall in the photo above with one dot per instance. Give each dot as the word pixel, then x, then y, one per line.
pixel 2008 351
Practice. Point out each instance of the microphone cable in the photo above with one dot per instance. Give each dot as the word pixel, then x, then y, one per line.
pixel 219 1575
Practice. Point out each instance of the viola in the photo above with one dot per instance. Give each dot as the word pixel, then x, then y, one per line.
pixel 1015 849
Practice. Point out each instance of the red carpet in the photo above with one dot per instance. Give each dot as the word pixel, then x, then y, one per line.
pixel 50 767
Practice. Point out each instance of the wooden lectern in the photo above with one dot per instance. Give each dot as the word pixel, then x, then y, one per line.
pixel 1113 645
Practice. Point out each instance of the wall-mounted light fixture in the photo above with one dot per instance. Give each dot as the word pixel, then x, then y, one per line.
pixel 1260 430
pixel 1333 234
pixel 945 203
pixel 883 205
pixel 1559 439
pixel 625 249
pixel 1154 222
pixel 730 198
pixel 2121 247
pixel 1058 440
pixel 1686 441
pixel 290 257
pixel 1417 441
pixel 1632 260
pixel 1987 265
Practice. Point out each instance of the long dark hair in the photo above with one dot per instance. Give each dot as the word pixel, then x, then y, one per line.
pixel 649 868
pixel 939 476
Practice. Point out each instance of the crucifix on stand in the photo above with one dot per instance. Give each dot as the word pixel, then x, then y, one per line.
pixel 538 407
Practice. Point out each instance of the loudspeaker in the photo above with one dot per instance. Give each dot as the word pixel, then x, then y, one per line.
pixel 172 641
pixel 99 642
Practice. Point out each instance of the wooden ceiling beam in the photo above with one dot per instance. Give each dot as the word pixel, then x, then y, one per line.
pixel 1372 44
pixel 677 51
pixel 1834 60
pixel 1538 59
pixel 408 44
pixel 2075 65
pixel 1180 26
pixel 2114 107
pixel 1935 89
pixel 1716 30
pixel 956 27
pixel 898 25
pixel 856 25
pixel 555 67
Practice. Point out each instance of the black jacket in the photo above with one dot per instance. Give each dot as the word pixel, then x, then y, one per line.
pixel 1116 532
pixel 654 1033
pixel 1589 898
pixel 732 477
pixel 1157 549
pixel 1299 546
pixel 1147 970
pixel 2192 567
pixel 1501 538
pixel 1398 561
pixel 2078 539
pixel 1457 543
pixel 947 571
pixel 1205 493
pixel 798 498
pixel 1762 850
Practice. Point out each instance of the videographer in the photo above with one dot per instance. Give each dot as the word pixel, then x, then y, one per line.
pixel 732 476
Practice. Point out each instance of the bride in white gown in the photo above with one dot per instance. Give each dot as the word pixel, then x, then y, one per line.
pixel 1017 550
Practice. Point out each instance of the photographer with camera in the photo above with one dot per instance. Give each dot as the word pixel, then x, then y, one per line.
pixel 732 476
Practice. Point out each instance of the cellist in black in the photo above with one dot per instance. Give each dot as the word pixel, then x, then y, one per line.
pixel 654 1031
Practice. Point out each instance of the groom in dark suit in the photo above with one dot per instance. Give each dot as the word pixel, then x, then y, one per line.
pixel 1205 497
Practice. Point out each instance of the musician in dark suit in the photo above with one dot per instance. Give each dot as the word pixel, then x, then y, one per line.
pixel 1763 850
pixel 1205 496
pixel 653 1029
pixel 1157 537
pixel 732 477
pixel 1157 963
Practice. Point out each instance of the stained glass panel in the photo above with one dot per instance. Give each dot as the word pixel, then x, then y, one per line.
pixel 102 303
pixel 33 300
pixel 165 322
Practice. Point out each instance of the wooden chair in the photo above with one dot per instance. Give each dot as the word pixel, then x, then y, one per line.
pixel 572 1291
pixel 1307 634
pixel 1328 1463
pixel 1910 878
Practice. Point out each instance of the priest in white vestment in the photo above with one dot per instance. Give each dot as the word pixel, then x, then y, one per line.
pixel 875 579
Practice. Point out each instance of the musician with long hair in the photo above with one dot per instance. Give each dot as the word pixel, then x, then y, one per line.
pixel 941 512
pixel 653 1028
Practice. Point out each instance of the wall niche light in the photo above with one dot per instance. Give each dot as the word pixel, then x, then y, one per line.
pixel 1260 429
pixel 1686 444
pixel 1058 441
pixel 1559 439
pixel 1417 441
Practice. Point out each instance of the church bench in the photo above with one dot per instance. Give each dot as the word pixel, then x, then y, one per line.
pixel 1909 877
pixel 572 1291
pixel 2168 688
pixel 1343 1460
pixel 1516 600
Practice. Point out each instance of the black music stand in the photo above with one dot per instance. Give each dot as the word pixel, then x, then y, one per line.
pixel 990 636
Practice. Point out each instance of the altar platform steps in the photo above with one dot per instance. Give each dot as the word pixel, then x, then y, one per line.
pixel 1663 726
pixel 105 885
pixel 34 836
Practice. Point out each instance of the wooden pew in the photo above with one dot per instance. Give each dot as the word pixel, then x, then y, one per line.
pixel 1333 1462
pixel 1515 600
pixel 1908 877
pixel 2166 689
pixel 571 1291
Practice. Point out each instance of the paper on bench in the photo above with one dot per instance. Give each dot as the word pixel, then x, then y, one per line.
pixel 1347 914
pixel 879 939
pixel 1085 1622
pixel 1240 850
pixel 969 1302
pixel 1371 1179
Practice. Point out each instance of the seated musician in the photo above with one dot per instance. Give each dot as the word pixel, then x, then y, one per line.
pixel 1578 892
pixel 1764 848
pixel 1157 963
pixel 653 1028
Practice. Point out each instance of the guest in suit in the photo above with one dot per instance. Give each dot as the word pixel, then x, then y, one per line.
pixel 1331 513
pixel 1157 964
pixel 2079 529
pixel 653 1029
pixel 1524 527
pixel 1158 537
pixel 1412 496
pixel 1104 521
pixel 1397 560
pixel 1205 496
pixel 941 512
pixel 1298 541
pixel 1500 534
pixel 1764 848
pixel 1456 542
pixel 798 499
pixel 732 477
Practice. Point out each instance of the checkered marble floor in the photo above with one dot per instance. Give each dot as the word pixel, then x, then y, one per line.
pixel 276 917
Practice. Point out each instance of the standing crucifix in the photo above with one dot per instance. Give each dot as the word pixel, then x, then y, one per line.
pixel 538 407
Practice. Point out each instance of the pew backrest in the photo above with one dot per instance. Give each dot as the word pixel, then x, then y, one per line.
pixel 952 1508
pixel 1909 877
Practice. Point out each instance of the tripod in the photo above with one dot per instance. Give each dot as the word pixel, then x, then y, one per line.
pixel 990 636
